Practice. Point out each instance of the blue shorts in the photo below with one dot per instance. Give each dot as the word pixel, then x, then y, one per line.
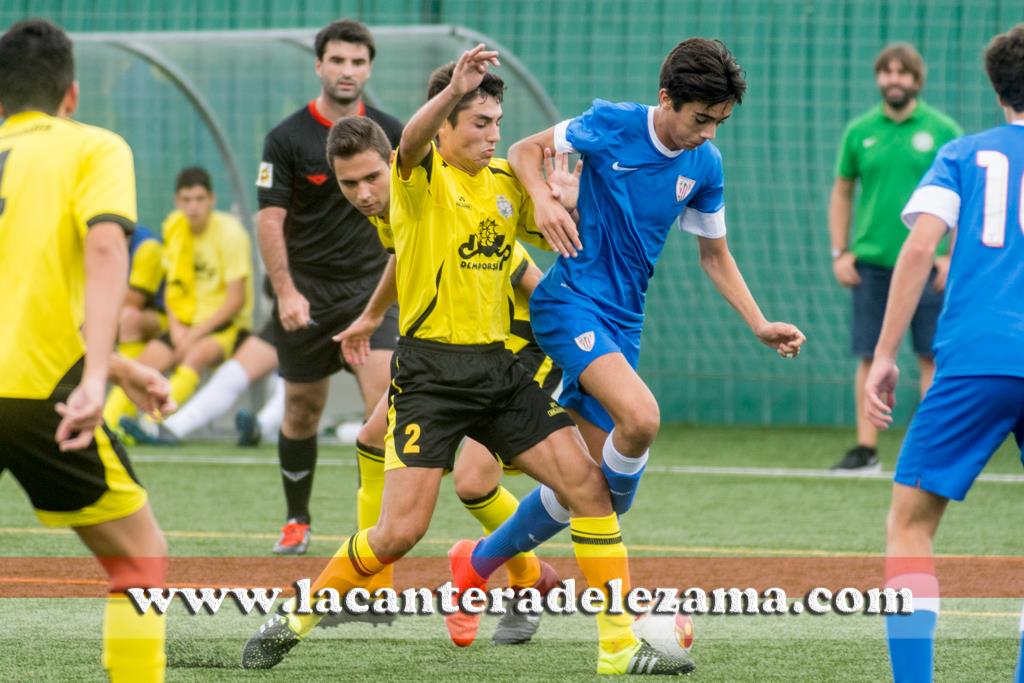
pixel 960 423
pixel 569 328
pixel 869 298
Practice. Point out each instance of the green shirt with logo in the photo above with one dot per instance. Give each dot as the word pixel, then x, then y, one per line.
pixel 889 159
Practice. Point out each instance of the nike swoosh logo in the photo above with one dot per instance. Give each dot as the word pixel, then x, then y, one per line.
pixel 619 167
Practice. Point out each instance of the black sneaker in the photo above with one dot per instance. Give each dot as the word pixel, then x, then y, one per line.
pixel 859 459
pixel 268 646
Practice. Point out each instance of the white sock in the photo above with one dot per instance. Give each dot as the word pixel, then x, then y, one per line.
pixel 553 507
pixel 623 464
pixel 272 413
pixel 213 400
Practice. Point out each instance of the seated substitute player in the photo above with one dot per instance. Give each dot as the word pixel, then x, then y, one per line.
pixel 254 359
pixel 209 291
pixel 455 213
pixel 975 187
pixel 359 152
pixel 645 166
pixel 67 198
pixel 142 315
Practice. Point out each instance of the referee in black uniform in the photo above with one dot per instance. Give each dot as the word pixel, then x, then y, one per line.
pixel 324 260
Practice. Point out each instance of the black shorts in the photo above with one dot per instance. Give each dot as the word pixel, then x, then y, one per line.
pixel 441 393
pixel 869 298
pixel 310 355
pixel 78 488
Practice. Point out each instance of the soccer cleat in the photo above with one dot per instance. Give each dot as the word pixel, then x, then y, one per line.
pixel 268 646
pixel 144 431
pixel 462 626
pixel 514 628
pixel 642 660
pixel 294 539
pixel 858 459
pixel 330 620
pixel 248 428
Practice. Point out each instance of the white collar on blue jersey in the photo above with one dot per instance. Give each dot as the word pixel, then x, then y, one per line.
pixel 1018 122
pixel 654 137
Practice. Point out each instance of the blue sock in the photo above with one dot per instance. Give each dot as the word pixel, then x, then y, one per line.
pixel 911 645
pixel 530 526
pixel 623 475
pixel 1019 675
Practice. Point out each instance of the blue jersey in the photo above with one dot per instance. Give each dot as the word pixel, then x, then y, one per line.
pixel 975 186
pixel 146 274
pixel 632 190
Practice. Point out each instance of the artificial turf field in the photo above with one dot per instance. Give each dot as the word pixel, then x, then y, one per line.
pixel 768 507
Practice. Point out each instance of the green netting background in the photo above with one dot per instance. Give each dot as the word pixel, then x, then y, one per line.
pixel 808 64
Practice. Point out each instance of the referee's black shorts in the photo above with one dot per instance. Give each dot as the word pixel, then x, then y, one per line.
pixel 441 393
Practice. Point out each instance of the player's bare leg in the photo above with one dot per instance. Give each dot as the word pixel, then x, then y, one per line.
pixel 133 552
pixel 197 359
pixel 257 357
pixel 297 451
pixel 373 378
pixel 914 517
pixel 864 456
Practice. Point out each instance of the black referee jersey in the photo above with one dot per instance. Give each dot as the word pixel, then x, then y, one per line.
pixel 326 238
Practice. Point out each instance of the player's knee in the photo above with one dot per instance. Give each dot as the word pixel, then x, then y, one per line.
pixel 639 425
pixel 302 413
pixel 396 539
pixel 584 491
pixel 372 434
pixel 473 483
pixel 130 322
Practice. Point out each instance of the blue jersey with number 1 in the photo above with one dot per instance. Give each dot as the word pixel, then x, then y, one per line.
pixel 975 186
pixel 632 190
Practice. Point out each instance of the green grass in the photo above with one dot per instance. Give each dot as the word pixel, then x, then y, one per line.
pixel 235 510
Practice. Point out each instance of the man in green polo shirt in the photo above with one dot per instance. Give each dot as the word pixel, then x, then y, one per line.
pixel 887 149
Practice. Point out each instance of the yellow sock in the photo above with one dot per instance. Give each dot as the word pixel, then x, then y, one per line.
pixel 353 565
pixel 133 643
pixel 183 384
pixel 597 542
pixel 491 511
pixel 117 406
pixel 131 349
pixel 368 501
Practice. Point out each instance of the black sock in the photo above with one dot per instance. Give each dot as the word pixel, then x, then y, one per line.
pixel 298 462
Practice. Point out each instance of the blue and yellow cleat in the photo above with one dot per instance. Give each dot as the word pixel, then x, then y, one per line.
pixel 144 431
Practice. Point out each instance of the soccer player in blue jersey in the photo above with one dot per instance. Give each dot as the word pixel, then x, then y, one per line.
pixel 975 187
pixel 645 167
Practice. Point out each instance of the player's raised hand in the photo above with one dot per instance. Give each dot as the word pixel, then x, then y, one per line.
pixel 470 69
pixel 786 339
pixel 293 309
pixel 880 391
pixel 80 415
pixel 565 186
pixel 355 339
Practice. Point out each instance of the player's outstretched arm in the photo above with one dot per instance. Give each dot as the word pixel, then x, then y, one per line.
pixel 527 158
pixel 106 277
pixel 355 339
pixel 908 281
pixel 721 268
pixel 427 121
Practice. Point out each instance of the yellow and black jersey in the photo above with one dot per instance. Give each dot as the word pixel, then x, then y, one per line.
pixel 454 236
pixel 57 178
pixel 521 340
pixel 384 233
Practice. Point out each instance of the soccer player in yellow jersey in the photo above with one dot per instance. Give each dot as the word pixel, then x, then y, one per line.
pixel 142 315
pixel 360 155
pixel 209 291
pixel 455 215
pixel 67 200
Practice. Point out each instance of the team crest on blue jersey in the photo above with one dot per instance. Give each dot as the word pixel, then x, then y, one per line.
pixel 586 341
pixel 504 207
pixel 683 187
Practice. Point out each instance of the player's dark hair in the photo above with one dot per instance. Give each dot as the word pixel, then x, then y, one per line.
pixel 908 57
pixel 37 67
pixel 1004 62
pixel 702 70
pixel 345 30
pixel 193 176
pixel 491 86
pixel 352 135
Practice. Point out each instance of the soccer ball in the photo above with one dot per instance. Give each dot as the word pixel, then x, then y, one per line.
pixel 669 634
